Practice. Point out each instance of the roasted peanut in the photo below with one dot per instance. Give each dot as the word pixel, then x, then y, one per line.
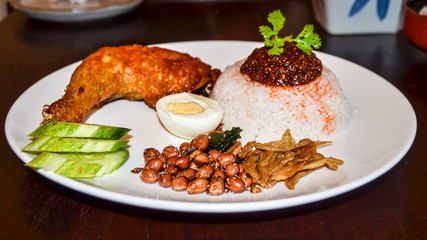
pixel 218 173
pixel 204 172
pixel 214 154
pixel 171 160
pixel 255 189
pixel 197 185
pixel 246 179
pixel 179 183
pixel 170 151
pixel 241 168
pixel 149 175
pixel 184 148
pixel 165 180
pixel 202 159
pixel 216 186
pixel 183 162
pixel 235 184
pixel 201 142
pixel 194 166
pixel 188 173
pixel 150 153
pixel 136 170
pixel 155 163
pixel 231 169
pixel 226 158
pixel 194 153
pixel 171 169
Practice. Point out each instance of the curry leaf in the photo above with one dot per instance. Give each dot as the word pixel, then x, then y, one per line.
pixel 222 141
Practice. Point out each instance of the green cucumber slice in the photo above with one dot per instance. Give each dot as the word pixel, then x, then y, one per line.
pixel 67 129
pixel 80 165
pixel 59 144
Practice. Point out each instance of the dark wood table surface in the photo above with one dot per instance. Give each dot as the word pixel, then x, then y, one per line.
pixel 393 206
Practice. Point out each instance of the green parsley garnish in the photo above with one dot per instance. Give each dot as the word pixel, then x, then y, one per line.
pixel 306 40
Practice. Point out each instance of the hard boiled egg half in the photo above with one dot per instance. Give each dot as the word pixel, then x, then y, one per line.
pixel 188 115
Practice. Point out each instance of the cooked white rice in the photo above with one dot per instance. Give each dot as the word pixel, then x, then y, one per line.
pixel 317 110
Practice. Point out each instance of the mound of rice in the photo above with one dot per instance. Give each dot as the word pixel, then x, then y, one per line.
pixel 317 110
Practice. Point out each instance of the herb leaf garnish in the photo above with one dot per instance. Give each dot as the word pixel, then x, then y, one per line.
pixel 306 40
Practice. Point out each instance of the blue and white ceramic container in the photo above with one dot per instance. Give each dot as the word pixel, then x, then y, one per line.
pixel 340 17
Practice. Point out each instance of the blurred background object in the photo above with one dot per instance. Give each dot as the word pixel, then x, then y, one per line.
pixel 3 9
pixel 74 10
pixel 415 23
pixel 340 17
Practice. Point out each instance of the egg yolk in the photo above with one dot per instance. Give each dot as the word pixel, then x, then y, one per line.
pixel 185 108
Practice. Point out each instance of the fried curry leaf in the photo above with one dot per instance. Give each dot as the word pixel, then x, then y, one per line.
pixel 222 141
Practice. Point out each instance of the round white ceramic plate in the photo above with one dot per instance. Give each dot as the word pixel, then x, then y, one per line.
pixel 73 11
pixel 381 133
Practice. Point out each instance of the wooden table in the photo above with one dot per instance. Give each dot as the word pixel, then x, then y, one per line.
pixel 391 207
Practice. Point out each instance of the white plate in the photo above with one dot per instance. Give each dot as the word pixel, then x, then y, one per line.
pixel 73 11
pixel 381 133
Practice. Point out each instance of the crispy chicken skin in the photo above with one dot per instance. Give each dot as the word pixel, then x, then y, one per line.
pixel 132 72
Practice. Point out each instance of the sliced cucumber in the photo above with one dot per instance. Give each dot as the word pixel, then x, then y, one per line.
pixel 67 129
pixel 59 144
pixel 80 165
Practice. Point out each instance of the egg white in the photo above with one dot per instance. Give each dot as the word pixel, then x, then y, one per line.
pixel 189 126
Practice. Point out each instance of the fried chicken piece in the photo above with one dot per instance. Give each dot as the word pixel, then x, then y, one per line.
pixel 132 72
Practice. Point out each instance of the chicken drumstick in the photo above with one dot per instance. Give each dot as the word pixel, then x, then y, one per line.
pixel 132 72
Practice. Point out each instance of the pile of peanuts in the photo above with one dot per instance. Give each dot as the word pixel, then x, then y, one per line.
pixel 193 168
